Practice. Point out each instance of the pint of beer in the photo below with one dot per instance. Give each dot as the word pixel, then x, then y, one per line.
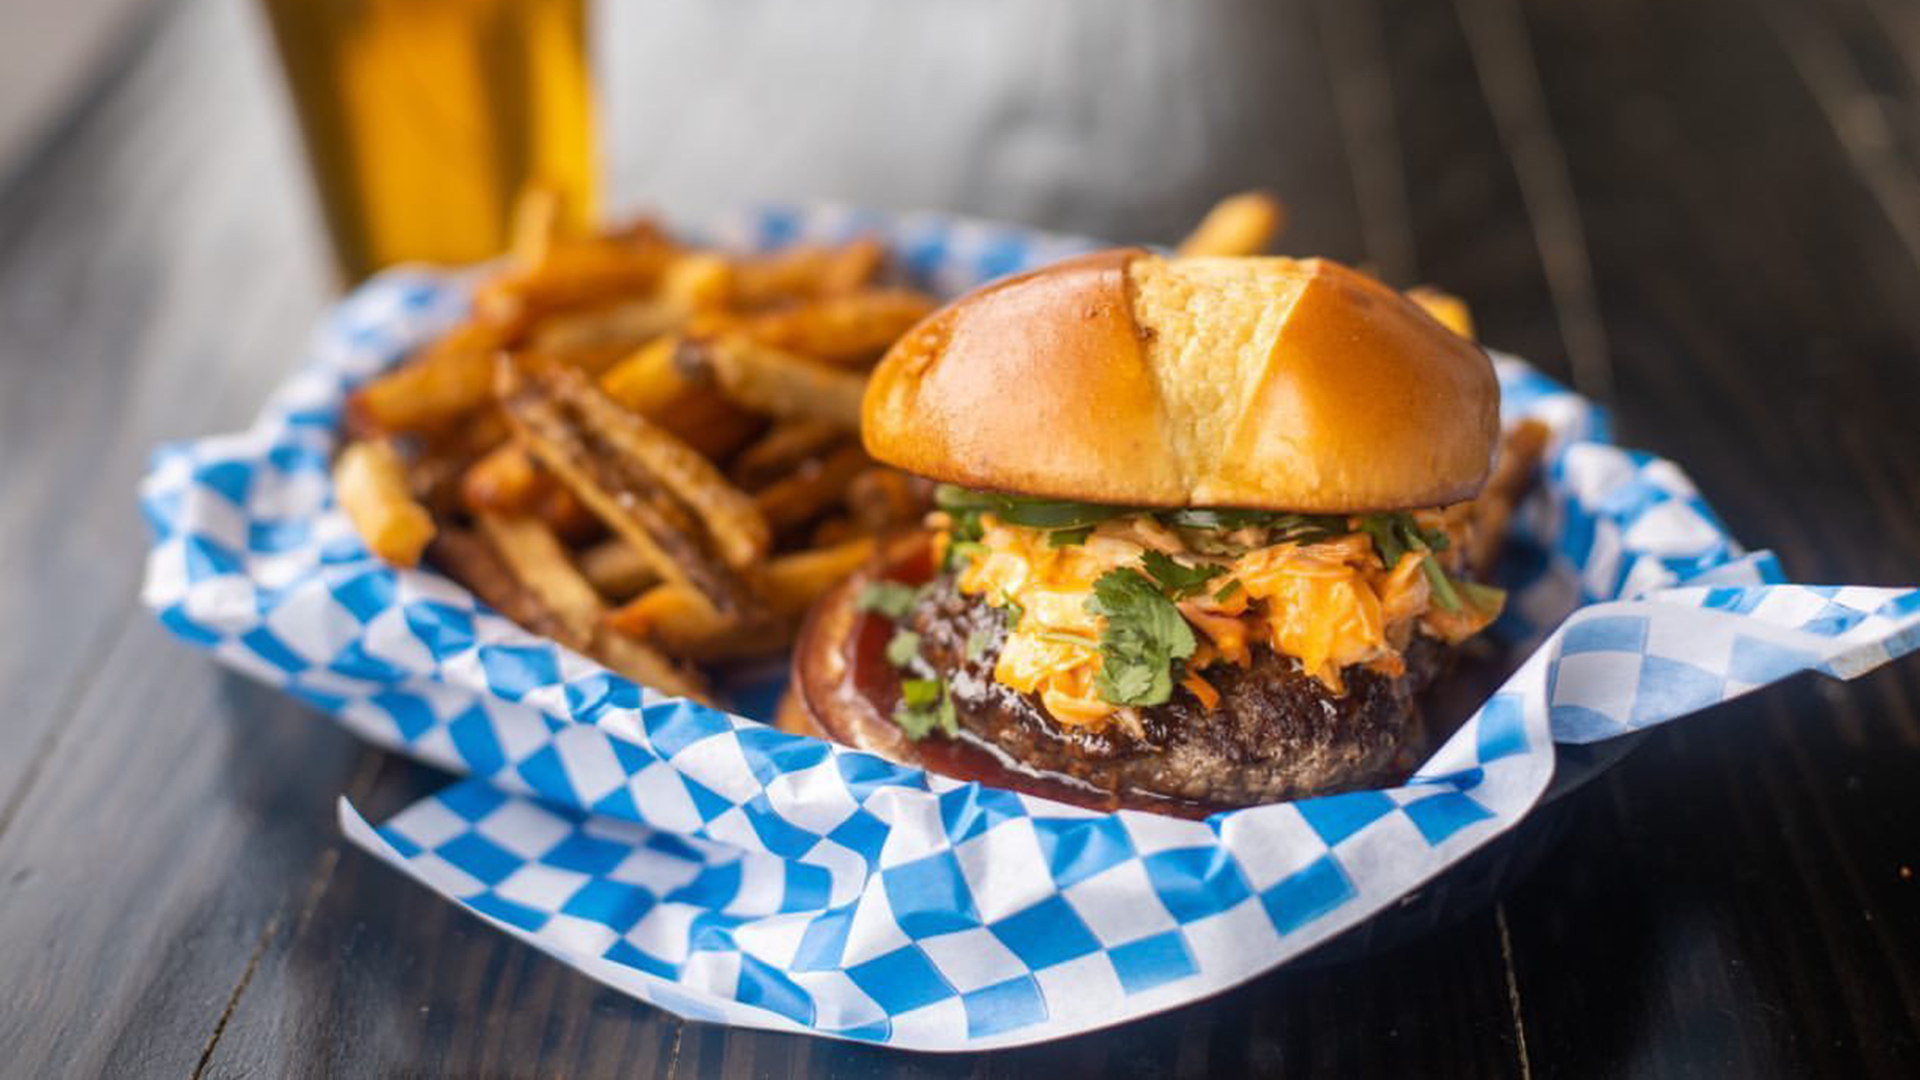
pixel 424 118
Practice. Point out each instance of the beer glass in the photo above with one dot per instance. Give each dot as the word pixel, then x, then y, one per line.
pixel 423 119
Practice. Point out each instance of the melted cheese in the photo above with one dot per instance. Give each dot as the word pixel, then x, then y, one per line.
pixel 1328 605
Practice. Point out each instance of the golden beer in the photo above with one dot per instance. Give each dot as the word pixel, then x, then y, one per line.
pixel 424 118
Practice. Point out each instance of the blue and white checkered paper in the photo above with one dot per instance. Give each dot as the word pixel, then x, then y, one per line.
pixel 726 871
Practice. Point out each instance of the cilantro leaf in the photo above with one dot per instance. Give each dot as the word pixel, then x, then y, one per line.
pixel 1281 527
pixel 889 598
pixel 903 648
pixel 955 499
pixel 1014 611
pixel 1135 684
pixel 924 706
pixel 1484 598
pixel 919 693
pixel 1144 635
pixel 1442 586
pixel 967 527
pixel 1176 579
pixel 1386 533
pixel 1024 510
pixel 1394 535
pixel 1397 533
pixel 963 517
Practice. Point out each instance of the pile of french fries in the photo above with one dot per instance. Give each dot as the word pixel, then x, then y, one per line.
pixel 648 451
pixel 644 450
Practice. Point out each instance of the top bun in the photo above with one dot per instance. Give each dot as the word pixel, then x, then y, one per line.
pixel 1122 377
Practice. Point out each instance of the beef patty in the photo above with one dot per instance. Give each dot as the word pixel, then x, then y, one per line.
pixel 1277 734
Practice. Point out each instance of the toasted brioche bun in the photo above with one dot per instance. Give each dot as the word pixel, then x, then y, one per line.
pixel 1122 377
pixel 825 696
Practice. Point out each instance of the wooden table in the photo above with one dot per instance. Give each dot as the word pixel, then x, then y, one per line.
pixel 1706 213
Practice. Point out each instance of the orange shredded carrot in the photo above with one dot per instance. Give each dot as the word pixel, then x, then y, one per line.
pixel 1202 689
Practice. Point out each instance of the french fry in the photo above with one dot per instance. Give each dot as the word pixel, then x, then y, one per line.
pixel 573 275
pixel 596 337
pixel 468 557
pixel 564 513
pixel 567 440
pixel 1521 448
pixel 535 226
pixel 698 281
pixel 616 569
pixel 852 265
pixel 1447 309
pixel 739 532
pixel 781 450
pixel 792 716
pixel 835 529
pixel 649 383
pixel 505 480
pixel 792 583
pixel 675 617
pixel 1237 225
pixel 679 623
pixel 443 381
pixel 810 489
pixel 694 284
pixel 370 483
pixel 883 499
pixel 804 271
pixel 652 490
pixel 646 381
pixel 531 550
pixel 434 481
pixel 775 382
pixel 850 328
pixel 648 666
pixel 468 437
pixel 661 530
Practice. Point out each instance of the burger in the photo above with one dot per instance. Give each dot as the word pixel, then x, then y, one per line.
pixel 1201 537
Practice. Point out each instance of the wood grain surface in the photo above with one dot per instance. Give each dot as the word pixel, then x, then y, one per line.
pixel 1707 214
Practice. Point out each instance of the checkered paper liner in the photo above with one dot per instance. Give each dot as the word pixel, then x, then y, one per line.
pixel 718 868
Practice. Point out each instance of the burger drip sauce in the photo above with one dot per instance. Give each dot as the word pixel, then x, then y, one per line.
pixel 968 757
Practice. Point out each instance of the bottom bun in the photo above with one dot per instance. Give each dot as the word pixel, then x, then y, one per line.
pixel 831 693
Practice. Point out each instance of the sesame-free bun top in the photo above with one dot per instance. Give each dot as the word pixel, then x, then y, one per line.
pixel 1122 377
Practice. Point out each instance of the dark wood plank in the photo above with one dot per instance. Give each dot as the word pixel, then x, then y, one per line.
pixel 175 835
pixel 381 975
pixel 49 52
pixel 1735 903
pixel 148 834
pixel 1471 233
pixel 133 308
pixel 1415 1011
pixel 1782 947
pixel 376 975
